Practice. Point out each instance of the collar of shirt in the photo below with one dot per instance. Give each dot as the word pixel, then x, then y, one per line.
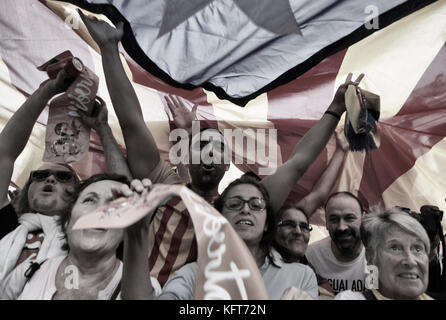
pixel 277 261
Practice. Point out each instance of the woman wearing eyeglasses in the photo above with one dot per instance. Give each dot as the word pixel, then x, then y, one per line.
pixel 246 205
pixel 291 241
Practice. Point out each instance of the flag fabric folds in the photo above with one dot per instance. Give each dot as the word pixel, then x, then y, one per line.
pixel 239 50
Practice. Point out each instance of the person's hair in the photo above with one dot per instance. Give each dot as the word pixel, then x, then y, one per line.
pixel 344 193
pixel 268 235
pixel 430 219
pixel 23 204
pixel 65 218
pixel 291 206
pixel 287 256
pixel 376 224
pixel 252 174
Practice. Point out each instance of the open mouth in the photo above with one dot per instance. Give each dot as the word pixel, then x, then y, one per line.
pixel 245 222
pixel 208 167
pixel 48 188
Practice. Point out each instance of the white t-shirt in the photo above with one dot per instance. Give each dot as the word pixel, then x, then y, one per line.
pixel 277 276
pixel 341 275
pixel 349 295
pixel 42 285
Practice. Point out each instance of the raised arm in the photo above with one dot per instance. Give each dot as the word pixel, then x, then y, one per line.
pixel 116 162
pixel 306 151
pixel 142 151
pixel 318 195
pixel 136 284
pixel 15 134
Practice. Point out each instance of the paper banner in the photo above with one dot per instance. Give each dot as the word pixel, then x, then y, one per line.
pixel 226 269
pixel 67 138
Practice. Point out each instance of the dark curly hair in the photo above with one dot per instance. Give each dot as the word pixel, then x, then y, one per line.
pixel 269 234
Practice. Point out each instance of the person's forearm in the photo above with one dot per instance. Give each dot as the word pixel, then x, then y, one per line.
pixel 136 284
pixel 17 131
pixel 305 153
pixel 320 191
pixel 313 142
pixel 142 151
pixel 326 181
pixel 116 162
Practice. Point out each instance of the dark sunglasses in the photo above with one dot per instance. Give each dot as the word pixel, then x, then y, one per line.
pixel 237 203
pixel 290 224
pixel 61 176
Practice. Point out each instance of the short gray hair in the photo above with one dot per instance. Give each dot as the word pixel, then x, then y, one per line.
pixel 375 224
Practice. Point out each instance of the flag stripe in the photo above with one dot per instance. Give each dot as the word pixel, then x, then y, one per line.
pixel 408 135
pixel 167 212
pixel 174 248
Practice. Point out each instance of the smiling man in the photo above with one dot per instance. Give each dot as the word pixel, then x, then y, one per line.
pixel 340 258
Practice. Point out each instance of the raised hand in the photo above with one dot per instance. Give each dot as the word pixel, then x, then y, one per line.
pixel 182 117
pixel 338 103
pixel 99 117
pixel 136 186
pixel 101 32
pixel 58 85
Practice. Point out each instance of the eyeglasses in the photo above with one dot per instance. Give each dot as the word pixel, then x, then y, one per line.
pixel 291 225
pixel 61 176
pixel 237 203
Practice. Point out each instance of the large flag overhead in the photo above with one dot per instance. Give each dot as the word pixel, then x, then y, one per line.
pixel 242 48
pixel 404 62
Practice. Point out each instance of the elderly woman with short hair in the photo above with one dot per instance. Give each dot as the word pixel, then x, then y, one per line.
pixel 398 246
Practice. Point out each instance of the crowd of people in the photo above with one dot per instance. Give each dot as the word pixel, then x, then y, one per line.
pixel 376 255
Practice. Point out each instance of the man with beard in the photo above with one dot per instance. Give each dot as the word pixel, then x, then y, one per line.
pixel 340 258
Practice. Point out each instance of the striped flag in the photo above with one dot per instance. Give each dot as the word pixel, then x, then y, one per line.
pixel 405 63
